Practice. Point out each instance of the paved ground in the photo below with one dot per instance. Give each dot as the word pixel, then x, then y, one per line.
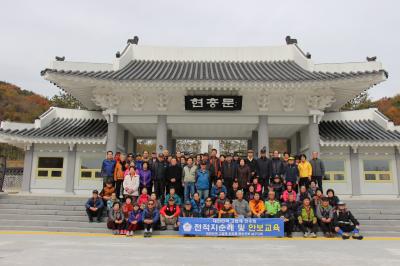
pixel 41 248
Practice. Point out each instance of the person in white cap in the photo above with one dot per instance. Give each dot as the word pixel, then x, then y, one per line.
pixel 345 223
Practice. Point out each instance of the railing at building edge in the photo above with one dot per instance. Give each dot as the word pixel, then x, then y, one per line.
pixel 13 180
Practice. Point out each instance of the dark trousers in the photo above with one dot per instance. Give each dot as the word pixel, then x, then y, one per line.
pixel 98 214
pixel 318 181
pixel 289 227
pixel 133 227
pixel 326 227
pixel 159 188
pixel 148 226
pixel 347 228
pixel 304 182
pixel 308 225
pixel 118 185
pixel 114 226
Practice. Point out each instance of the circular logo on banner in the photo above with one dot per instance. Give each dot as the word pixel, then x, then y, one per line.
pixel 187 227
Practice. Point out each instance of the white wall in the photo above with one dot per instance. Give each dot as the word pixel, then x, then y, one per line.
pixel 338 153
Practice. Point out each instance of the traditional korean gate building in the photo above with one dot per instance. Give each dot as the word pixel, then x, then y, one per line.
pixel 167 93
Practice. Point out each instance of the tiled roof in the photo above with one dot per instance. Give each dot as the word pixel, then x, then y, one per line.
pixel 64 128
pixel 361 130
pixel 147 70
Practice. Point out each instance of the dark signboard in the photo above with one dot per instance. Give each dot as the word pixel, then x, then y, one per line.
pixel 213 103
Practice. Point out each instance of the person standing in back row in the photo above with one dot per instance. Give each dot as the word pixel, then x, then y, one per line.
pixel 318 169
pixel 107 168
pixel 263 169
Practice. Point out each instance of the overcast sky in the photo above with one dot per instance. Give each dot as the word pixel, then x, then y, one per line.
pixel 33 32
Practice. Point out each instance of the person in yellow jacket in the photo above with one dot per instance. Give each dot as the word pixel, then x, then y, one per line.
pixel 305 171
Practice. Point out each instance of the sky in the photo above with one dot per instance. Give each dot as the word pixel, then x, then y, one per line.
pixel 32 33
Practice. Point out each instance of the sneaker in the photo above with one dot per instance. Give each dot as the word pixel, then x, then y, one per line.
pixel 99 220
pixel 357 236
pixel 150 234
pixel 313 235
pixel 115 232
pixel 146 234
pixel 327 235
pixel 90 220
pixel 128 233
pixel 345 236
pixel 306 234
pixel 163 228
pixel 131 233
pixel 289 235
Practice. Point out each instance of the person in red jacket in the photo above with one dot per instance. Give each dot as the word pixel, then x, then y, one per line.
pixel 169 215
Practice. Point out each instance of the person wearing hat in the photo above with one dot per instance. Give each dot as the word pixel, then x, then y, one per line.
pixel 108 167
pixel 291 173
pixel 227 211
pixel 289 191
pixel 94 207
pixel 263 169
pixel 345 223
pixel 203 180
pixel 287 218
pixel 277 167
pixel 158 171
pixel 187 211
pixel 169 214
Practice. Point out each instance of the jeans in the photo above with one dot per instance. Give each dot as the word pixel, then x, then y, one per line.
pixel 189 190
pixel 203 193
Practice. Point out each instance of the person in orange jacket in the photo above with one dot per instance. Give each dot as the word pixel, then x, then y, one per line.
pixel 257 206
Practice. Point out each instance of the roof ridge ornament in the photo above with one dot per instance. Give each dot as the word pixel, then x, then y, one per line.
pixel 135 40
pixel 290 40
pixel 60 58
pixel 371 59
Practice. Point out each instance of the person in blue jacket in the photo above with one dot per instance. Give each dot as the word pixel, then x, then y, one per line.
pixel 107 168
pixel 218 188
pixel 94 207
pixel 150 218
pixel 197 204
pixel 203 180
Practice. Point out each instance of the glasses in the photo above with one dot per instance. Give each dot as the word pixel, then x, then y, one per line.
pixel 208 200
pixel 150 204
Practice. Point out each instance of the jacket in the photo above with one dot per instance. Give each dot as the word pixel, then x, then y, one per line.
pixel 98 203
pixel 256 207
pixel 243 175
pixel 110 203
pixel 115 215
pixel 107 191
pixel 318 167
pixel 189 174
pixel 153 214
pixel 272 207
pixel 263 168
pixel 301 196
pixel 197 207
pixel 169 210
pixel 323 212
pixel 187 213
pixel 227 213
pixel 118 171
pixel 107 168
pixel 342 218
pixel 305 169
pixel 219 204
pixel 135 216
pixel 202 179
pixel 174 171
pixel 131 182
pixel 158 171
pixel 286 215
pixel 228 172
pixel 252 164
pixel 285 195
pixel 145 178
pixel 291 173
pixel 277 167
pixel 241 207
pixel 307 216
pixel 215 191
pixel 209 212
pixel 178 200
pixel 127 209
pixel 143 199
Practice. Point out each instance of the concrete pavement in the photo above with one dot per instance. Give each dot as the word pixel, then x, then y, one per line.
pixel 54 248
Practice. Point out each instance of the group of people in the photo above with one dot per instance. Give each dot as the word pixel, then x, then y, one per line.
pixel 149 192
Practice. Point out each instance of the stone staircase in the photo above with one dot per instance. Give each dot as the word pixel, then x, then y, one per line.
pixel 67 214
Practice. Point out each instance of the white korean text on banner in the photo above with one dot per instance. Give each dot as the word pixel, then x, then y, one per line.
pixel 273 227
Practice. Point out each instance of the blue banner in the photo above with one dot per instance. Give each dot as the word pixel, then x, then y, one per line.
pixel 231 226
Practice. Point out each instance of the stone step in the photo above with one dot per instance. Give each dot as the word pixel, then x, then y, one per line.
pixel 48 223
pixel 377 216
pixel 75 218
pixel 43 212
pixel 379 222
pixel 42 207
pixel 375 211
pixel 43 201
